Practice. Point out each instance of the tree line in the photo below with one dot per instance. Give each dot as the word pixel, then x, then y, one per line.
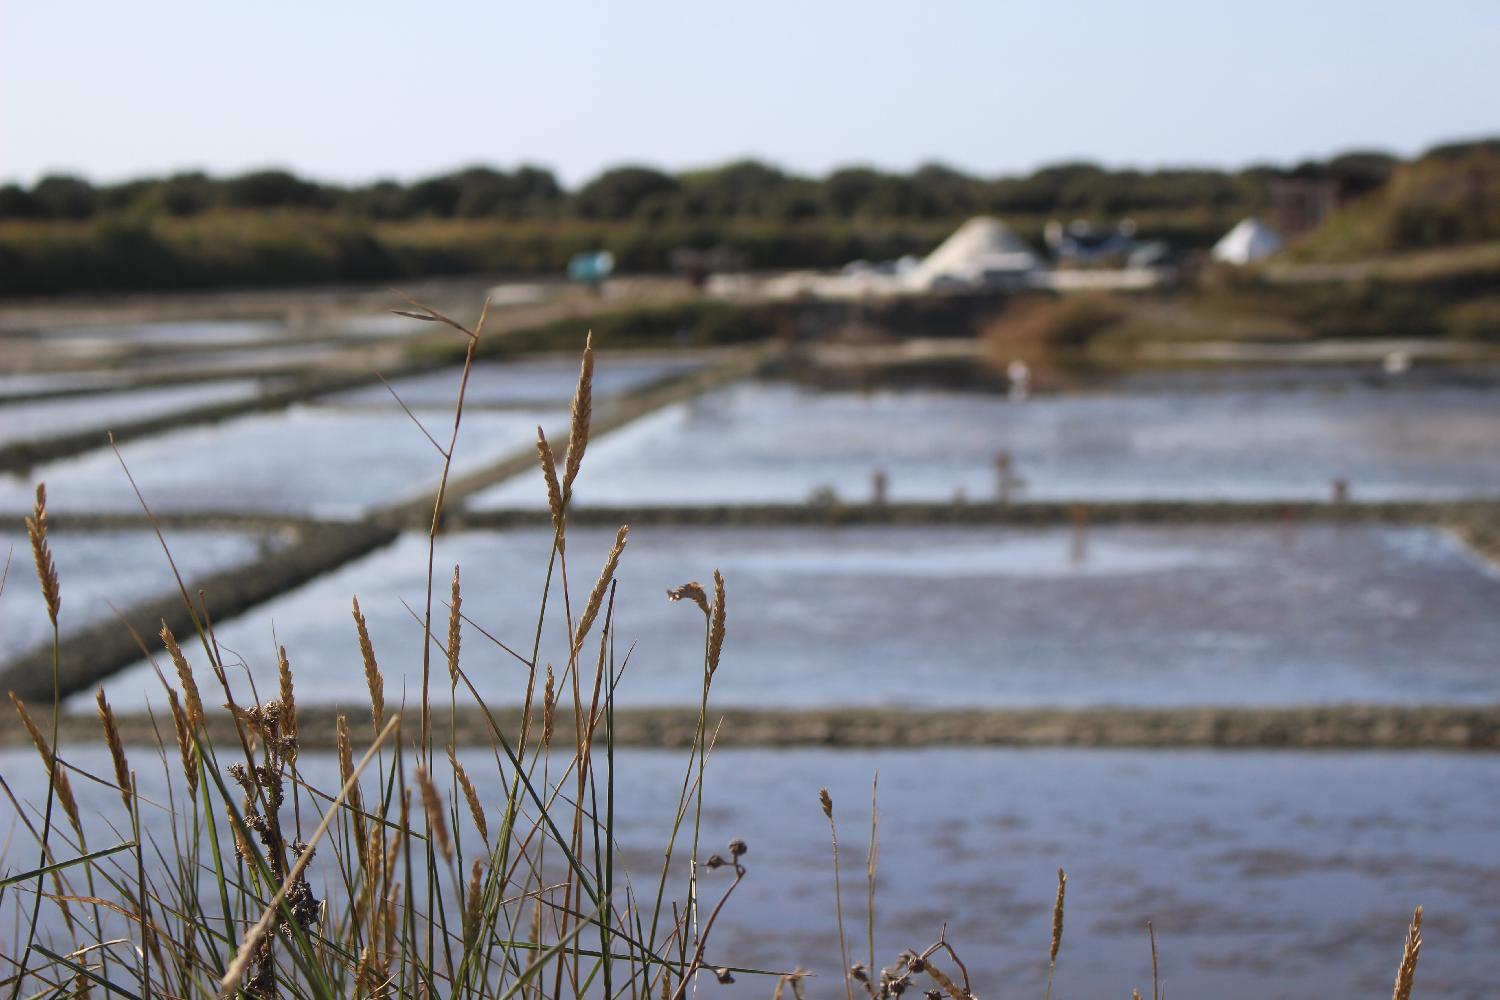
pixel 743 190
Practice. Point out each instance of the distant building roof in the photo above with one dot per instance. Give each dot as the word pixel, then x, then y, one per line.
pixel 1249 241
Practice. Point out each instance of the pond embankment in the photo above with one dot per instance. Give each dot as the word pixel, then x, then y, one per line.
pixel 1326 727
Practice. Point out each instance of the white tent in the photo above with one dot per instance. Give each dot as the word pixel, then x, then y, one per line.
pixel 1249 241
pixel 982 251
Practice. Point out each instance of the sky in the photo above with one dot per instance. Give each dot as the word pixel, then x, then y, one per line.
pixel 351 92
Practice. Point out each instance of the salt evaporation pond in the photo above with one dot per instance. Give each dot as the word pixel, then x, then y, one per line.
pixel 1296 869
pixel 274 357
pixel 174 333
pixel 21 384
pixel 957 617
pixel 34 420
pixel 303 461
pixel 100 568
pixel 524 382
pixel 770 442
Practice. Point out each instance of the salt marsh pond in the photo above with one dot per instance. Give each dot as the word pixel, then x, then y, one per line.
pixel 770 442
pixel 939 617
pixel 1301 866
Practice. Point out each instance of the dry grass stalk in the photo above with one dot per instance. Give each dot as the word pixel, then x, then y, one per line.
pixel 241 843
pixel 59 774
pixel 191 698
pixel 393 855
pixel 472 897
pixel 185 748
pixel 549 709
pixel 373 680
pixel 941 978
pixel 716 625
pixel 455 634
pixel 1407 971
pixel 596 598
pixel 41 553
pixel 549 473
pixel 116 747
pixel 346 769
pixel 792 979
pixel 1057 914
pixel 691 592
pixel 476 810
pixel 249 947
pixel 432 805
pixel 287 701
pixel 1057 930
pixel 826 801
pixel 583 409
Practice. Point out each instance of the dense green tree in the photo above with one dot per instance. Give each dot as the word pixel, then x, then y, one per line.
pixel 622 192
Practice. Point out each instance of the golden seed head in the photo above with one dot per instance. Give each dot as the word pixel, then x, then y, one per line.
pixel 60 782
pixel 470 796
pixel 346 770
pixel 288 702
pixel 190 695
pixel 549 473
pixel 373 680
pixel 691 592
pixel 1407 971
pixel 41 553
pixel 716 625
pixel 826 801
pixel 596 598
pixel 432 805
pixel 241 844
pixel 185 748
pixel 471 904
pixel 583 408
pixel 1057 914
pixel 116 747
pixel 549 709
pixel 455 621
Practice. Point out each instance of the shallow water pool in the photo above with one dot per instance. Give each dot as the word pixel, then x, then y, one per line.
pixel 766 442
pixel 955 617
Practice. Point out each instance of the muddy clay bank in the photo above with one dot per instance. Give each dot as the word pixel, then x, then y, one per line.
pixel 1324 727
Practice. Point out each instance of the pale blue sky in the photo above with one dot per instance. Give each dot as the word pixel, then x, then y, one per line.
pixel 354 91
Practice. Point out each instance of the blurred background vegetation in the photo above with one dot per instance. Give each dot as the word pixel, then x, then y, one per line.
pixel 270 227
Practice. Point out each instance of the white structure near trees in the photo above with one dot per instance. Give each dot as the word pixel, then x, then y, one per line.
pixel 983 252
pixel 1248 242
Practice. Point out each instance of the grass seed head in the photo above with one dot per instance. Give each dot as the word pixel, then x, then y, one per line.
pixel 601 586
pixel 691 592
pixel 60 782
pixel 583 410
pixel 716 625
pixel 549 709
pixel 1406 973
pixel 549 473
pixel 185 747
pixel 288 702
pixel 41 553
pixel 432 805
pixel 116 747
pixel 190 696
pixel 471 796
pixel 373 680
pixel 1057 914
pixel 455 635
